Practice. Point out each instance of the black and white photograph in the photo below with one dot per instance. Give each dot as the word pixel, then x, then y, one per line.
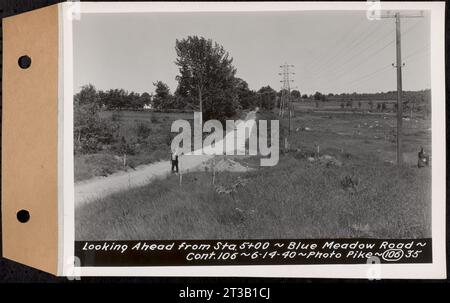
pixel 302 126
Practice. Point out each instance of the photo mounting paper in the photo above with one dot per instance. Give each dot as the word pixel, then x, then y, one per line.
pixel 253 139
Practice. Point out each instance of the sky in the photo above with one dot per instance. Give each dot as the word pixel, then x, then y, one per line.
pixel 332 52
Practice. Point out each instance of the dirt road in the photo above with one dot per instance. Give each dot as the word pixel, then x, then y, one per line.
pixel 88 190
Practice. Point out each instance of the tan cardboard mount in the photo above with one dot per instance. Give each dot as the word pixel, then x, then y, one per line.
pixel 30 139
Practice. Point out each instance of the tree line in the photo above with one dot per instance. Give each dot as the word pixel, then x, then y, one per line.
pixel 206 79
pixel 417 97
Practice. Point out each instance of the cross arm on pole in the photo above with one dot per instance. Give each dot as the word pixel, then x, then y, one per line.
pixel 402 15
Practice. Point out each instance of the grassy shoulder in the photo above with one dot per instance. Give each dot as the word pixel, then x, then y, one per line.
pixel 296 199
pixel 104 164
pixel 142 138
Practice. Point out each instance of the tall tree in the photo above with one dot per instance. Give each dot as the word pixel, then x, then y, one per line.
pixel 267 97
pixel 87 95
pixel 162 98
pixel 245 95
pixel 90 130
pixel 114 99
pixel 206 76
pixel 295 94
pixel 319 96
pixel 145 99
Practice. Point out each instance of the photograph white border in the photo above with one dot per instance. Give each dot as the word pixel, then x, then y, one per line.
pixel 435 270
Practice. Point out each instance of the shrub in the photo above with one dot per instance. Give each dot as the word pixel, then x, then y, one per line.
pixel 154 119
pixel 125 147
pixel 94 136
pixel 350 182
pixel 143 130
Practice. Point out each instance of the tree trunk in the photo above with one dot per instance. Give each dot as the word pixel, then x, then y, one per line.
pixel 213 171
pixel 200 106
pixel 200 99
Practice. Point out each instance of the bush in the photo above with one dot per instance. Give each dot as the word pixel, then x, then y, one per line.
pixel 95 136
pixel 143 130
pixel 350 182
pixel 92 133
pixel 125 147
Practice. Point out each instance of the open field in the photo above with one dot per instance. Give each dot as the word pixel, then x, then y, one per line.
pixel 337 105
pixel 366 136
pixel 373 107
pixel 337 180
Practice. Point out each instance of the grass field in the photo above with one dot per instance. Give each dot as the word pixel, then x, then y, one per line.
pixel 337 180
pixel 373 107
pixel 149 136
pixel 356 105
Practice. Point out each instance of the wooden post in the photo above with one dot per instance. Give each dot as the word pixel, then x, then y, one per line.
pixel 399 90
pixel 286 145
pixel 397 17
pixel 179 171
pixel 213 170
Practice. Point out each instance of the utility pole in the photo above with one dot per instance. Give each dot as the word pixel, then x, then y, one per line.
pixel 398 66
pixel 285 101
pixel 398 43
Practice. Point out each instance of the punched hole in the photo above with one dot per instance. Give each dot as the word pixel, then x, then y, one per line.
pixel 24 62
pixel 23 216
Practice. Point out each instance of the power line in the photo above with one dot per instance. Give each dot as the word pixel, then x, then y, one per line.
pixel 370 74
pixel 405 32
pixel 340 49
pixel 335 70
pixel 357 54
pixel 340 39
pixel 371 56
pixel 382 69
pixel 348 46
pixel 419 51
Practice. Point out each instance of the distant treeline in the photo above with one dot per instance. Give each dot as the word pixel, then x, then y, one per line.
pixel 164 100
pixel 421 96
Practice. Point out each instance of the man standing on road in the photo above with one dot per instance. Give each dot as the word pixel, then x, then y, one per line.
pixel 175 154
